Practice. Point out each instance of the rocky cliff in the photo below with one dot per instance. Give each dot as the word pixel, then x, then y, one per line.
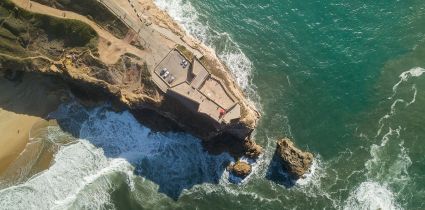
pixel 79 52
pixel 294 161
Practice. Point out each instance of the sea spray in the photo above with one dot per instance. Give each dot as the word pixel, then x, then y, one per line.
pixel 56 187
pixel 386 172
pixel 371 195
pixel 44 141
pixel 108 144
pixel 222 43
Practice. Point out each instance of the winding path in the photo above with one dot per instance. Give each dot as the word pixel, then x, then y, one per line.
pixel 27 58
pixel 108 54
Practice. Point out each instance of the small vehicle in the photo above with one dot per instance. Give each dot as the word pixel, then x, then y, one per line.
pixel 185 63
pixel 171 80
pixel 166 74
pixel 162 72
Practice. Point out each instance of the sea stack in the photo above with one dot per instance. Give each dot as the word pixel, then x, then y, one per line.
pixel 165 78
pixel 294 161
pixel 240 169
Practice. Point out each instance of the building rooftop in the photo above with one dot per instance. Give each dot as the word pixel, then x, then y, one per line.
pixel 198 90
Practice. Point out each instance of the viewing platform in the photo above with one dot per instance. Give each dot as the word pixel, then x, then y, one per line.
pixel 195 87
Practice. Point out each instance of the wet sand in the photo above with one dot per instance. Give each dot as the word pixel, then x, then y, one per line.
pixel 22 105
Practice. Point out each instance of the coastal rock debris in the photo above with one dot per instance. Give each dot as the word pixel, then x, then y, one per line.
pixel 240 169
pixel 294 161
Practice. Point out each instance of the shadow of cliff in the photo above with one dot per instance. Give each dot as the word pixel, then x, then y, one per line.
pixel 277 174
pixel 30 94
pixel 175 161
pixel 157 150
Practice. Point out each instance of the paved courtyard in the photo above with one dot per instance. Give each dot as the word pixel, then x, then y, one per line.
pixel 192 84
pixel 171 70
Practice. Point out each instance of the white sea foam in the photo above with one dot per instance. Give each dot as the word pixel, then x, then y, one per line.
pixel 71 172
pixel 386 170
pixel 312 175
pixel 405 76
pixel 371 195
pixel 414 95
pixel 185 14
pixel 231 54
pixel 229 178
pixel 110 144
pixel 377 150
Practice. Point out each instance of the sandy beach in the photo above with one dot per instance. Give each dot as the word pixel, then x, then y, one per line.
pixel 22 105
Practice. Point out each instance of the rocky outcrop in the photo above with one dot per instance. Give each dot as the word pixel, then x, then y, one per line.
pixel 240 169
pixel 75 56
pixel 233 145
pixel 294 161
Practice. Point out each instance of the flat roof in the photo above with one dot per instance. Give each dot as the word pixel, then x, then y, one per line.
pixel 204 89
pixel 215 91
pixel 172 63
pixel 206 106
pixel 200 74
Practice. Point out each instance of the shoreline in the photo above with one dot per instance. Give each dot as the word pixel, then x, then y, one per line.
pixel 186 37
pixel 24 104
pixel 159 45
pixel 160 21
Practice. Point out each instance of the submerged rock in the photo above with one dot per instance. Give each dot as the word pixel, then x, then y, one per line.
pixel 294 161
pixel 240 169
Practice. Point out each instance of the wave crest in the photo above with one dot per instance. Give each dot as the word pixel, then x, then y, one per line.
pixel 371 195
pixel 227 50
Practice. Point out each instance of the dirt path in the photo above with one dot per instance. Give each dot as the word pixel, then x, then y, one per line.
pixel 27 58
pixel 110 47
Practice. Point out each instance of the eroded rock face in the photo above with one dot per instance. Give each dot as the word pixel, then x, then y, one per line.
pixel 234 146
pixel 240 169
pixel 105 68
pixel 253 150
pixel 294 161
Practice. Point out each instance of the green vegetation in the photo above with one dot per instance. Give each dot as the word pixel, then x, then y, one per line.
pixel 24 34
pixel 186 53
pixel 93 10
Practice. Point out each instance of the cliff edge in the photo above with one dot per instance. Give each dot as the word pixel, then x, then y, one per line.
pixel 146 64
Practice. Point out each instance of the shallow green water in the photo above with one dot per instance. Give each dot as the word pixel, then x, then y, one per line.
pixel 342 78
pixel 324 72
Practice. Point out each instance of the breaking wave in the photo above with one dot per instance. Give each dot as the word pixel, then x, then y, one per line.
pixel 77 167
pixel 387 169
pixel 222 43
pixel 371 195
pixel 110 145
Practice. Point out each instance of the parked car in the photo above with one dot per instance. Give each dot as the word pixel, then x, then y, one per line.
pixel 171 80
pixel 166 74
pixel 162 72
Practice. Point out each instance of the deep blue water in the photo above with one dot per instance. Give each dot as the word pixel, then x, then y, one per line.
pixel 343 79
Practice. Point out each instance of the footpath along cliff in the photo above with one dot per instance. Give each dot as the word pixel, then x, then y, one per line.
pixel 147 64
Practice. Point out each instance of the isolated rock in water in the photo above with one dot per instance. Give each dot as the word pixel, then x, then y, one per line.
pixel 252 149
pixel 295 161
pixel 240 169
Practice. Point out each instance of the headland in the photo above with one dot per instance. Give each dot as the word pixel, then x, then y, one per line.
pixel 135 56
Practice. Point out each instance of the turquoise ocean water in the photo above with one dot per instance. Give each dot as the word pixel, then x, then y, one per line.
pixel 344 79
